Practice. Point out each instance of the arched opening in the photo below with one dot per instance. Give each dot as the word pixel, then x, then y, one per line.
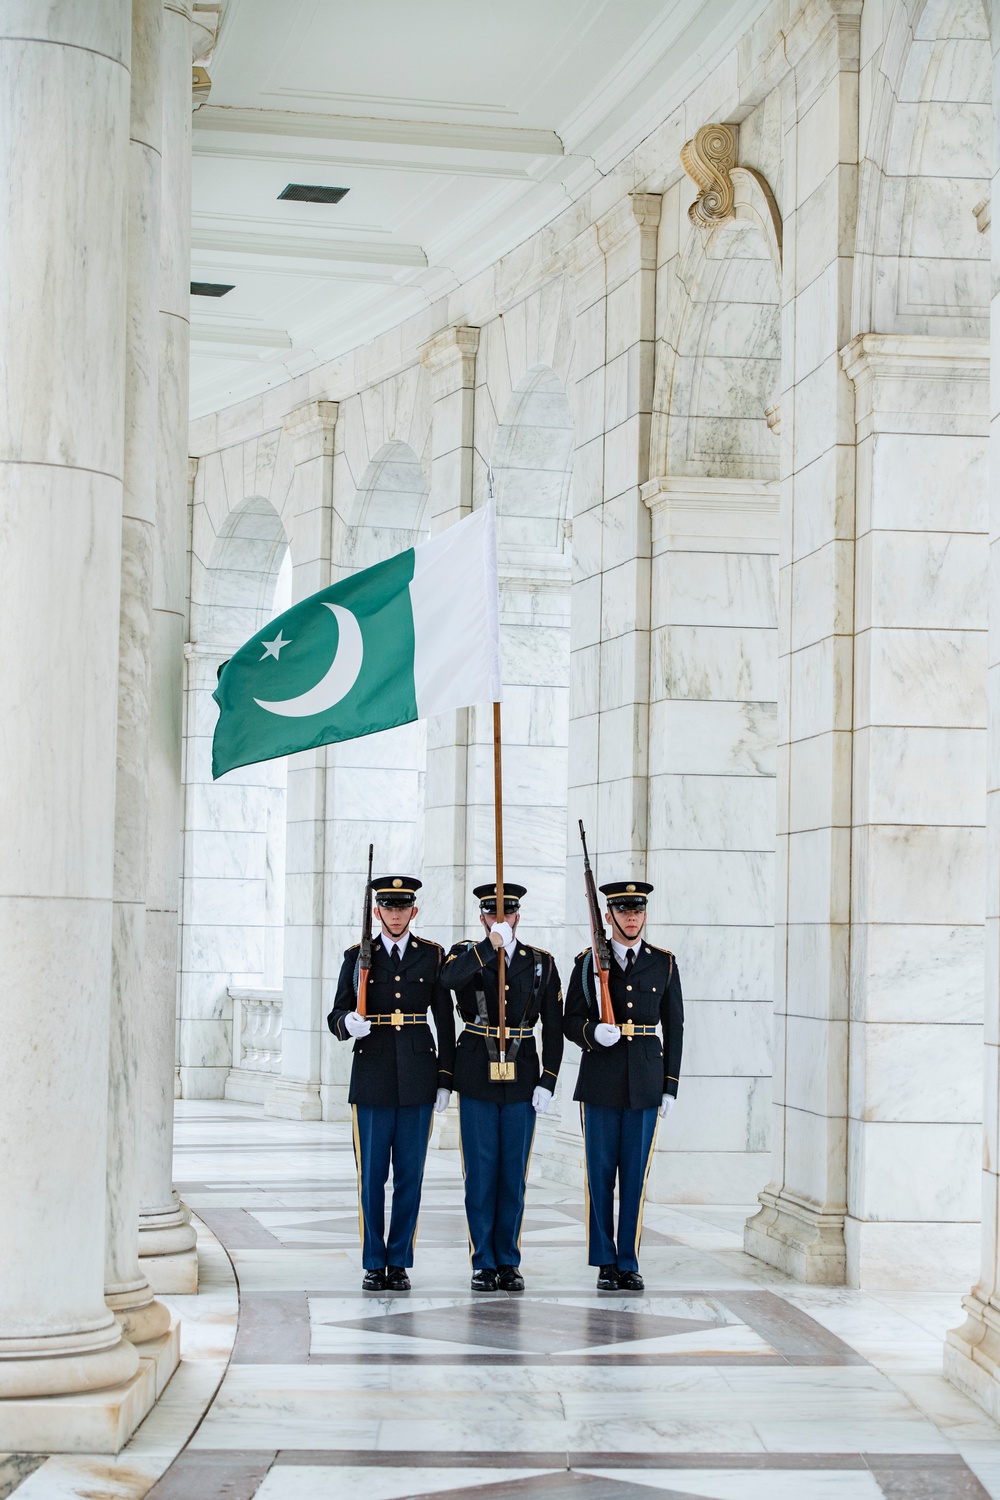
pixel 375 786
pixel 232 932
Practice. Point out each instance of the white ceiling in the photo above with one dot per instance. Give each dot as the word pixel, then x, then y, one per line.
pixel 460 127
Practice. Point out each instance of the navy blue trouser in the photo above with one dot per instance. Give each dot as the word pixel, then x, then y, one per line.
pixel 382 1136
pixel 496 1145
pixel 617 1143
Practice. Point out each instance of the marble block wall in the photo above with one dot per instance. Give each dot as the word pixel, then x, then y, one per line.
pixel 711 821
pixel 919 797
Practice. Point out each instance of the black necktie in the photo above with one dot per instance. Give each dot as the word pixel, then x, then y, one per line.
pixel 395 953
pixel 629 960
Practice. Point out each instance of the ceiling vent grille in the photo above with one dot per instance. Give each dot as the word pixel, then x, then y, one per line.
pixel 305 192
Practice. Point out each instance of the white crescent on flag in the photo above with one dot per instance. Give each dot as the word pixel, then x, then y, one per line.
pixel 337 682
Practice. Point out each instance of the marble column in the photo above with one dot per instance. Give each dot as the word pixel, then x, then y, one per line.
pixel 310 972
pixel 712 817
pixel 972 1351
pixel 800 1225
pixel 64 122
pixel 127 1290
pixel 919 804
pixel 166 1235
pixel 450 359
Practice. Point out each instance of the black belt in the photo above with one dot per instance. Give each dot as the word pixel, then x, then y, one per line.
pixel 514 1033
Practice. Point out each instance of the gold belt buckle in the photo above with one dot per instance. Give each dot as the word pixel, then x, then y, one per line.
pixel 628 1029
pixel 397 1019
pixel 502 1072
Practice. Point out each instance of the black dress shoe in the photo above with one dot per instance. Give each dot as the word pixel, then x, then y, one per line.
pixel 607 1279
pixel 631 1281
pixel 485 1280
pixel 396 1279
pixel 374 1281
pixel 510 1279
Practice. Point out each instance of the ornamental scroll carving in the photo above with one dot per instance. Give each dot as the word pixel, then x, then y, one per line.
pixel 709 160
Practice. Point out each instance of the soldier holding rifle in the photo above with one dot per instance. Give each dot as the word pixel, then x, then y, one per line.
pixel 500 1082
pixel 619 995
pixel 385 990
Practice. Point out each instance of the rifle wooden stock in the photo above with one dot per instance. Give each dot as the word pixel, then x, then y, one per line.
pixel 599 945
pixel 365 959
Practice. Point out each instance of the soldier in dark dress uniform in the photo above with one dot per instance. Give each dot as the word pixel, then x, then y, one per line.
pixel 627 1078
pixel 497 1120
pixel 397 1079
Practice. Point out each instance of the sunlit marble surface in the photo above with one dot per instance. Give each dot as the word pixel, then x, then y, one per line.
pixel 725 1380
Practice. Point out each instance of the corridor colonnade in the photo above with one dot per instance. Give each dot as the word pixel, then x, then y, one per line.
pixel 746 380
pixel 94 334
pixel 736 401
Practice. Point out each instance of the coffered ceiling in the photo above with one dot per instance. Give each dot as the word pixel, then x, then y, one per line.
pixel 458 127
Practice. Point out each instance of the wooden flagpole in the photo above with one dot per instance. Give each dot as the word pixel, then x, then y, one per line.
pixel 501 915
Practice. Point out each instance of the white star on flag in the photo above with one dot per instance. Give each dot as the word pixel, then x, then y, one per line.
pixel 273 648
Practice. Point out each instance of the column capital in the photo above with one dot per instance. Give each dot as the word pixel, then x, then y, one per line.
pixel 638 214
pixel 923 379
pixel 450 358
pixel 311 427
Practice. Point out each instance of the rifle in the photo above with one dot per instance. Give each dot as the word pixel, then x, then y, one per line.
pixel 365 960
pixel 600 947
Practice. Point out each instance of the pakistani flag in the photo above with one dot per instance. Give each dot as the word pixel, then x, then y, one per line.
pixel 415 635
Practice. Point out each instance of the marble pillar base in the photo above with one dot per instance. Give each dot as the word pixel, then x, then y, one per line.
pixel 167 1254
pixel 65 1362
pixel 445 1134
pixel 140 1317
pixel 707 1176
pixel 289 1100
pixel 244 1087
pixel 797 1240
pixel 202 1083
pixel 911 1257
pixel 333 1101
pixel 972 1354
pixel 98 1421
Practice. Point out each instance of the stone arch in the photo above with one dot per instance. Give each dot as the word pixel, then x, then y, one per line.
pixel 233 877
pixel 390 508
pixel 715 404
pixel 922 263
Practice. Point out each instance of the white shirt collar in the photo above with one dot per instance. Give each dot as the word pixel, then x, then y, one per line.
pixel 621 949
pixel 400 942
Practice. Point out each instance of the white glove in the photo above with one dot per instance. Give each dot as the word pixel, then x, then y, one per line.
pixel 540 1100
pixel 605 1034
pixel 501 933
pixel 666 1105
pixel 357 1025
pixel 441 1101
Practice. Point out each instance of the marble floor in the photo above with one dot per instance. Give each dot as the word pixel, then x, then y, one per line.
pixel 725 1380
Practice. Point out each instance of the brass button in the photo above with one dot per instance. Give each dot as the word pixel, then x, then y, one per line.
pixel 628 986
pixel 630 1005
pixel 506 986
pixel 522 952
pixel 628 1038
pixel 649 950
pixel 398 978
pixel 398 995
pixel 654 989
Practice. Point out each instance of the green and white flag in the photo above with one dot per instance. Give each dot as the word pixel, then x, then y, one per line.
pixel 415 635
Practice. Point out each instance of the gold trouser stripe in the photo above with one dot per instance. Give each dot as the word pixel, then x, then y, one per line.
pixel 357 1158
pixel 461 1157
pixel 642 1195
pixel 586 1180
